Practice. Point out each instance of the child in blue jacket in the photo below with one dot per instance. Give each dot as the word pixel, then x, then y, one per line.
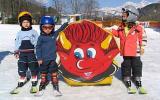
pixel 46 53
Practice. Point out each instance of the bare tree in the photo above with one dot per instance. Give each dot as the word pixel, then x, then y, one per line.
pixel 76 5
pixel 86 7
pixel 10 9
pixel 90 7
pixel 59 5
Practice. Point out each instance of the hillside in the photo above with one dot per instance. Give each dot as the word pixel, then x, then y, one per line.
pixel 150 12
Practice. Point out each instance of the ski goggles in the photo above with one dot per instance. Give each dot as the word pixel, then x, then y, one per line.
pixel 124 10
pixel 49 27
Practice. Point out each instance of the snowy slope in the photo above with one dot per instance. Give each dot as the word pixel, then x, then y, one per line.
pixel 117 91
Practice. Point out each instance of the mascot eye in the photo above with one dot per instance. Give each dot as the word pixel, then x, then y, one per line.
pixel 79 53
pixel 91 53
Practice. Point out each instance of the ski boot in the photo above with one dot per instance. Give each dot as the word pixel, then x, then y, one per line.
pixel 54 78
pixel 56 90
pixel 138 84
pixel 42 87
pixel 130 89
pixel 17 89
pixel 44 82
pixel 34 88
pixel 127 83
pixel 21 83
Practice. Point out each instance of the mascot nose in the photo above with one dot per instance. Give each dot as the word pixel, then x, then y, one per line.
pixel 86 64
pixel 83 64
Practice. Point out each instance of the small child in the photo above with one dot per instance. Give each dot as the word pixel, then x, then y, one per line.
pixel 46 53
pixel 132 41
pixel 25 42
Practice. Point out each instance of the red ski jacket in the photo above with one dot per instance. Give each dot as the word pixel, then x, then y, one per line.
pixel 131 42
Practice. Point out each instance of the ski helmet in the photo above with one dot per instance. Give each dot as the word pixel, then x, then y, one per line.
pixel 132 12
pixel 47 20
pixel 24 15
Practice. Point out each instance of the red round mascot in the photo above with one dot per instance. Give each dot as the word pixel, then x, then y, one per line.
pixel 86 54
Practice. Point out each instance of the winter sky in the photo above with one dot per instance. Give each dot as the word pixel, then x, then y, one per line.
pixel 116 3
pixel 106 3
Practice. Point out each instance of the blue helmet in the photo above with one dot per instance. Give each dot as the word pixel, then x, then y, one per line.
pixel 47 20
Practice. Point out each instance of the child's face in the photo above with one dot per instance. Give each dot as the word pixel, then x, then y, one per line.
pixel 26 24
pixel 47 28
pixel 124 15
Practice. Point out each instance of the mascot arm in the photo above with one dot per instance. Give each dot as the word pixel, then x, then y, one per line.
pixel 61 28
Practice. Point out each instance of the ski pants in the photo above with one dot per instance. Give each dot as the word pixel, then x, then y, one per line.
pixel 49 67
pixel 131 66
pixel 27 60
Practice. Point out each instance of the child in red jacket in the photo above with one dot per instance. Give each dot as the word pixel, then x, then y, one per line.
pixel 132 41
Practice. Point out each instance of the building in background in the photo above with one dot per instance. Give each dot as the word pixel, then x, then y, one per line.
pixel 71 18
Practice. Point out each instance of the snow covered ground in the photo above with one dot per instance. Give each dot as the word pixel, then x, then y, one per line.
pixel 117 91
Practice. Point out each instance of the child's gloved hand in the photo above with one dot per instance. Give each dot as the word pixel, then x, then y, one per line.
pixel 16 56
pixel 40 62
pixel 142 51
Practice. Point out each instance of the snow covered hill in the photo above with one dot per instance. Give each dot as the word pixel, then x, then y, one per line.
pixel 117 91
pixel 117 10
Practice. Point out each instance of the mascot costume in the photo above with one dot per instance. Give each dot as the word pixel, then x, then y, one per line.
pixel 86 53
